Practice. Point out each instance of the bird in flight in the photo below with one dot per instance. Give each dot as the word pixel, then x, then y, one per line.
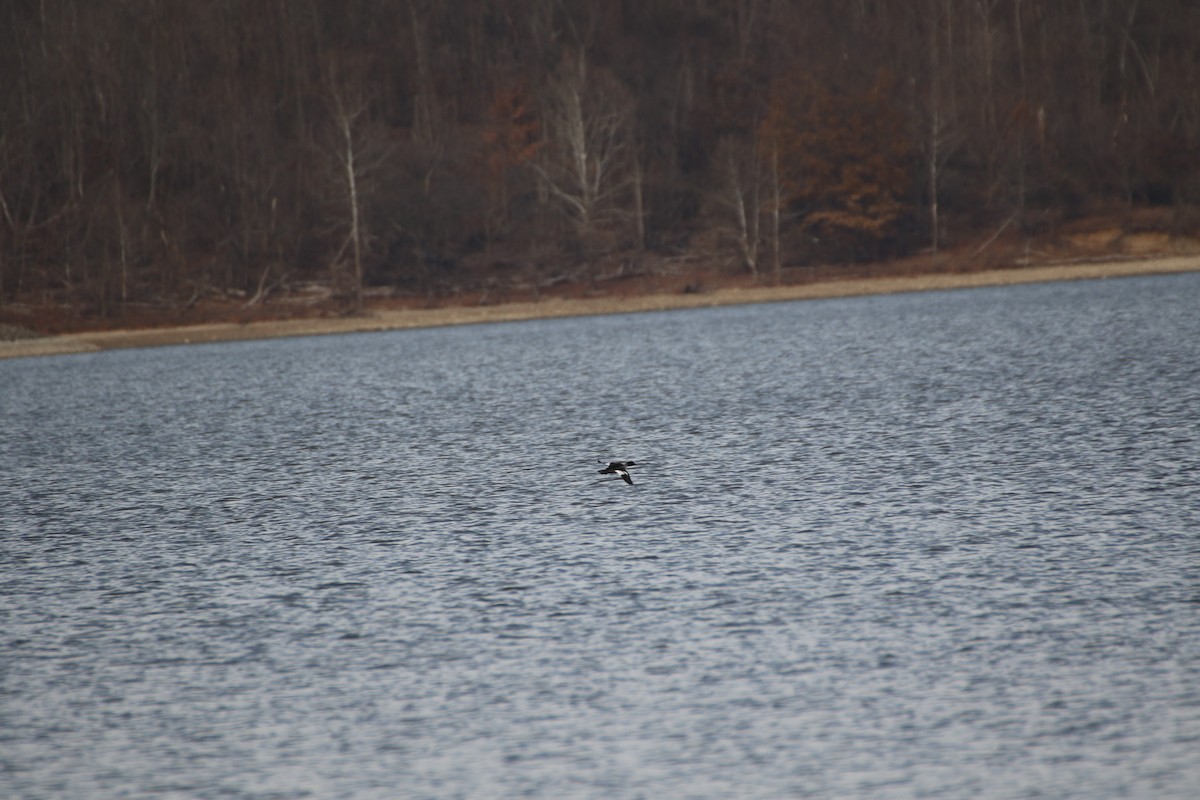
pixel 620 469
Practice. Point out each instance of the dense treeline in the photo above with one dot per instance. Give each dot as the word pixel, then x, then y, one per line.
pixel 154 150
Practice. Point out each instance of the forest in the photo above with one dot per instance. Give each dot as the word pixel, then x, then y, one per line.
pixel 158 151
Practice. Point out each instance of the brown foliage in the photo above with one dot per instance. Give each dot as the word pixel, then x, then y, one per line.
pixel 844 159
pixel 511 138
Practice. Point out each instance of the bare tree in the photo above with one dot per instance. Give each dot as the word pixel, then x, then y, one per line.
pixel 741 193
pixel 585 165
pixel 776 198
pixel 939 137
pixel 424 102
pixel 359 150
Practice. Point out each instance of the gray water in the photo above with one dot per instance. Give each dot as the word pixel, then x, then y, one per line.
pixel 939 545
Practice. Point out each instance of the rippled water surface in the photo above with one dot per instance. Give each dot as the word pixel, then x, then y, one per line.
pixel 936 545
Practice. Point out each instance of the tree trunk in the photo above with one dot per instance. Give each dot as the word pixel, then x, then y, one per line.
pixel 352 200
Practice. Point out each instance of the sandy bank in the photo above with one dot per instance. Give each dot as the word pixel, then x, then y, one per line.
pixel 461 315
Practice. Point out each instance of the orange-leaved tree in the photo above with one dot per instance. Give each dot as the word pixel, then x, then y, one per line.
pixel 511 138
pixel 843 162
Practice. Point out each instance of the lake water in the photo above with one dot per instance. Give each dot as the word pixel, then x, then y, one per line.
pixel 939 545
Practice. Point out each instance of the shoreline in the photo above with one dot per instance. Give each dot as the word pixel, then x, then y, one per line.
pixel 383 320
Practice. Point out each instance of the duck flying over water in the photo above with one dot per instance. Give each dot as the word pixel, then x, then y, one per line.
pixel 620 469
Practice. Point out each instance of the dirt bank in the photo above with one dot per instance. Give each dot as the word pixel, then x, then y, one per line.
pixel 379 320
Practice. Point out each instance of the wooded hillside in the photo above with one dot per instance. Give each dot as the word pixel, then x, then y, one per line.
pixel 156 150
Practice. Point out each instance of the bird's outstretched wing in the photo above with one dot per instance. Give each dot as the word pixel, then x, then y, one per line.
pixel 618 468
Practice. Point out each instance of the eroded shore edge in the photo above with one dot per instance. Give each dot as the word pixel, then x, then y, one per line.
pixel 552 307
